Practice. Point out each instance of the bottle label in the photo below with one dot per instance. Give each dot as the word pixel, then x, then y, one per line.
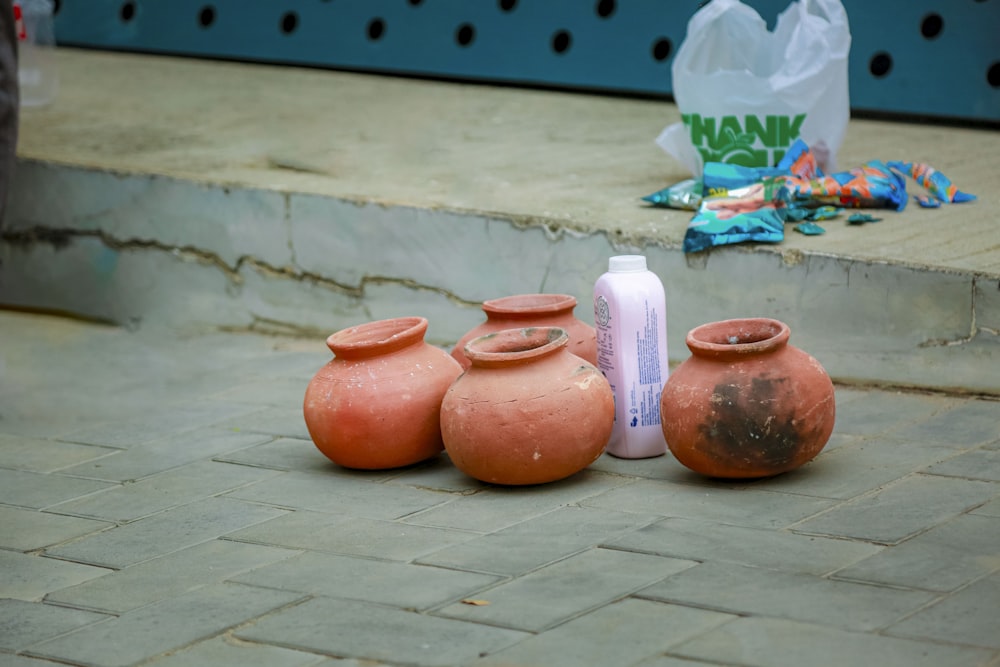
pixel 22 34
pixel 646 342
pixel 602 311
pixel 647 408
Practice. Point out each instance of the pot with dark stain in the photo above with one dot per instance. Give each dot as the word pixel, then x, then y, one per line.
pixel 746 404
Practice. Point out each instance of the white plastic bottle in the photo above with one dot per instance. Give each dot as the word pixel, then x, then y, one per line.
pixel 631 322
pixel 36 70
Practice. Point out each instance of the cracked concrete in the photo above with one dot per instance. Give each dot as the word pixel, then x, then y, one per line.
pixel 306 227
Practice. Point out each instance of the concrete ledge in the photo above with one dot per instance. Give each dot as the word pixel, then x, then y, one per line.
pixel 259 224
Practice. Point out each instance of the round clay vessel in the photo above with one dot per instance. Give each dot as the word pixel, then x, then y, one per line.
pixel 527 411
pixel 377 403
pixel 746 403
pixel 533 310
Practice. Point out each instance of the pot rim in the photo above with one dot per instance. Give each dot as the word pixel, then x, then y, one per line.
pixel 529 305
pixel 514 346
pixel 740 337
pixel 377 337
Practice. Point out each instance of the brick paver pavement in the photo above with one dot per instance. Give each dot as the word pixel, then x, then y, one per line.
pixel 160 503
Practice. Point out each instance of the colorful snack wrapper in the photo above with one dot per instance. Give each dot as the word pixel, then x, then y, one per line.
pixel 873 185
pixel 753 213
pixel 933 181
pixel 927 202
pixel 823 213
pixel 810 229
pixel 796 212
pixel 800 161
pixel 720 177
pixel 740 203
pixel 862 218
pixel 684 195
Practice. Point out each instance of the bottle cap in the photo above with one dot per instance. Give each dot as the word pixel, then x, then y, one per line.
pixel 627 264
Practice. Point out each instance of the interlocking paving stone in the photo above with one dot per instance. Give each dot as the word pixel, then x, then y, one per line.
pixel 169 576
pixel 774 549
pixel 342 494
pixel 224 652
pixel 567 588
pixel 748 590
pixel 942 559
pixel 152 425
pixel 741 506
pixel 389 540
pixel 660 467
pixel 992 508
pixel 771 642
pixel 179 486
pixel 880 412
pixel 282 421
pixel 396 584
pixel 355 629
pixel 966 424
pixel 892 514
pixel 970 616
pixel 439 474
pixel 38 490
pixel 37 455
pixel 164 626
pixel 852 469
pixel 497 507
pixel 11 660
pixel 672 661
pixel 294 359
pixel 27 530
pixel 165 533
pixel 29 577
pixel 977 464
pixel 183 421
pixel 269 390
pixel 621 633
pixel 664 468
pixel 25 623
pixel 282 454
pixel 536 542
pixel 166 453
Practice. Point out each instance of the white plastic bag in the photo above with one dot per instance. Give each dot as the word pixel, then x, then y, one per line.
pixel 746 94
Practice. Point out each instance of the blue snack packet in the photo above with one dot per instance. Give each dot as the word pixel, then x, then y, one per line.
pixel 873 185
pixel 926 201
pixel 933 181
pixel 720 177
pixel 754 213
pixel 810 229
pixel 684 195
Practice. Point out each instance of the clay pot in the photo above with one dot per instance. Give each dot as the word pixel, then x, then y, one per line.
pixel 533 310
pixel 746 403
pixel 527 411
pixel 377 403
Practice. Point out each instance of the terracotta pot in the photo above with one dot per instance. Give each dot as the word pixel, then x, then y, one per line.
pixel 533 310
pixel 377 403
pixel 527 411
pixel 746 403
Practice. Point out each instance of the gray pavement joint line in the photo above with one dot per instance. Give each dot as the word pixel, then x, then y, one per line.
pixel 875 491
pixel 176 649
pixel 941 597
pixel 59 238
pixel 841 502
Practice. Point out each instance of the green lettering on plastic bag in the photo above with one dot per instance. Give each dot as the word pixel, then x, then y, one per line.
pixel 751 141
